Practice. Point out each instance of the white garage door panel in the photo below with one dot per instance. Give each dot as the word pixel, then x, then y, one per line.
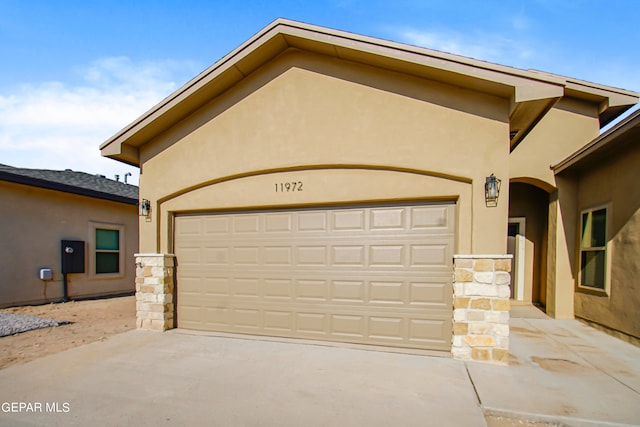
pixel 378 275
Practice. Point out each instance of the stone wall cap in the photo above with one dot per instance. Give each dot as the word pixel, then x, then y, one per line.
pixel 482 256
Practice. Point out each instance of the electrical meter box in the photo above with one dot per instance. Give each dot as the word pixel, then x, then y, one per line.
pixel 72 256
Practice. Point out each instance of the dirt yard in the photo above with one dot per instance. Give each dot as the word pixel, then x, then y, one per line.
pixel 90 321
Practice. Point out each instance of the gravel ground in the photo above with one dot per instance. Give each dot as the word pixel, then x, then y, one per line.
pixel 12 323
pixel 81 322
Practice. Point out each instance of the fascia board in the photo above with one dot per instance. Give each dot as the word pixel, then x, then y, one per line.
pixel 478 75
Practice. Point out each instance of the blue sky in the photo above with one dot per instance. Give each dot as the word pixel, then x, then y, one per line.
pixel 75 72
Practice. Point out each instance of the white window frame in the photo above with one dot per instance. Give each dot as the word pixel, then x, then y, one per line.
pixel 606 249
pixel 93 226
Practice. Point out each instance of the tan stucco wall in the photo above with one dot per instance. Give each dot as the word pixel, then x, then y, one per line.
pixel 614 184
pixel 348 131
pixel 34 221
pixel 568 126
pixel 561 250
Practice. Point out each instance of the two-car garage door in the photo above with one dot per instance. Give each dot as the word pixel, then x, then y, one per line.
pixel 378 275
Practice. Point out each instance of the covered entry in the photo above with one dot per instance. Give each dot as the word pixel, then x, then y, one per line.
pixel 527 241
pixel 378 275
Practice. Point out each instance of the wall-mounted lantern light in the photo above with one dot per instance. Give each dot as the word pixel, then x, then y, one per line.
pixel 145 208
pixel 491 191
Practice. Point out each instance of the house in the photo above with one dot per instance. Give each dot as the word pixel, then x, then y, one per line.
pixel 52 219
pixel 602 200
pixel 320 185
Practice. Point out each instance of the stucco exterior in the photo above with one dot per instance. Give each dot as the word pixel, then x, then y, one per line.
pixel 603 177
pixel 35 220
pixel 360 121
pixel 568 126
pixel 298 124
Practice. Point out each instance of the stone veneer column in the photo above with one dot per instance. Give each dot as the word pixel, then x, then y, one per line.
pixel 481 308
pixel 154 291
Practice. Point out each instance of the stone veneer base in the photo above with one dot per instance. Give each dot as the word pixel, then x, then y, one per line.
pixel 481 308
pixel 154 291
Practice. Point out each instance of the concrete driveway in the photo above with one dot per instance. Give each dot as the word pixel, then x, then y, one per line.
pixel 144 378
pixel 562 372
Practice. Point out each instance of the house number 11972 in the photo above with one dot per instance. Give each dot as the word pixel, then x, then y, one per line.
pixel 288 187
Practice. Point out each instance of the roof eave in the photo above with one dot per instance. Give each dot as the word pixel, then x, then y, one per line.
pixel 612 102
pixel 123 146
pixel 531 93
pixel 56 186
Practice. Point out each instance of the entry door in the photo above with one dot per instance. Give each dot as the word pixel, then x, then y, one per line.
pixel 377 275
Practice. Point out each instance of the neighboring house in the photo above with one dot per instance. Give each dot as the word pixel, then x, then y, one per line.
pixel 323 185
pixel 602 196
pixel 40 209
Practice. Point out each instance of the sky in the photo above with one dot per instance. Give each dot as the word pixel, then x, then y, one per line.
pixel 73 73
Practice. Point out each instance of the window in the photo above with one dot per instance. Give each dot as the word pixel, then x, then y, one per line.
pixel 593 249
pixel 107 251
pixel 107 257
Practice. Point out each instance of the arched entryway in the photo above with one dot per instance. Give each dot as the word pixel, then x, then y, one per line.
pixel 527 242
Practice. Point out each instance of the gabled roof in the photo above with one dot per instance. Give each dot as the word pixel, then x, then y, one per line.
pixel 73 182
pixel 531 93
pixel 623 134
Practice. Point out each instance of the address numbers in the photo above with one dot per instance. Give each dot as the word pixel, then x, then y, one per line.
pixel 288 187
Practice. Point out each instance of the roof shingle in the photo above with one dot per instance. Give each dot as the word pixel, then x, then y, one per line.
pixel 72 182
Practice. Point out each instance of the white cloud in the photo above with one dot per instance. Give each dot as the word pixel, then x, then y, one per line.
pixel 488 47
pixel 517 51
pixel 53 125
